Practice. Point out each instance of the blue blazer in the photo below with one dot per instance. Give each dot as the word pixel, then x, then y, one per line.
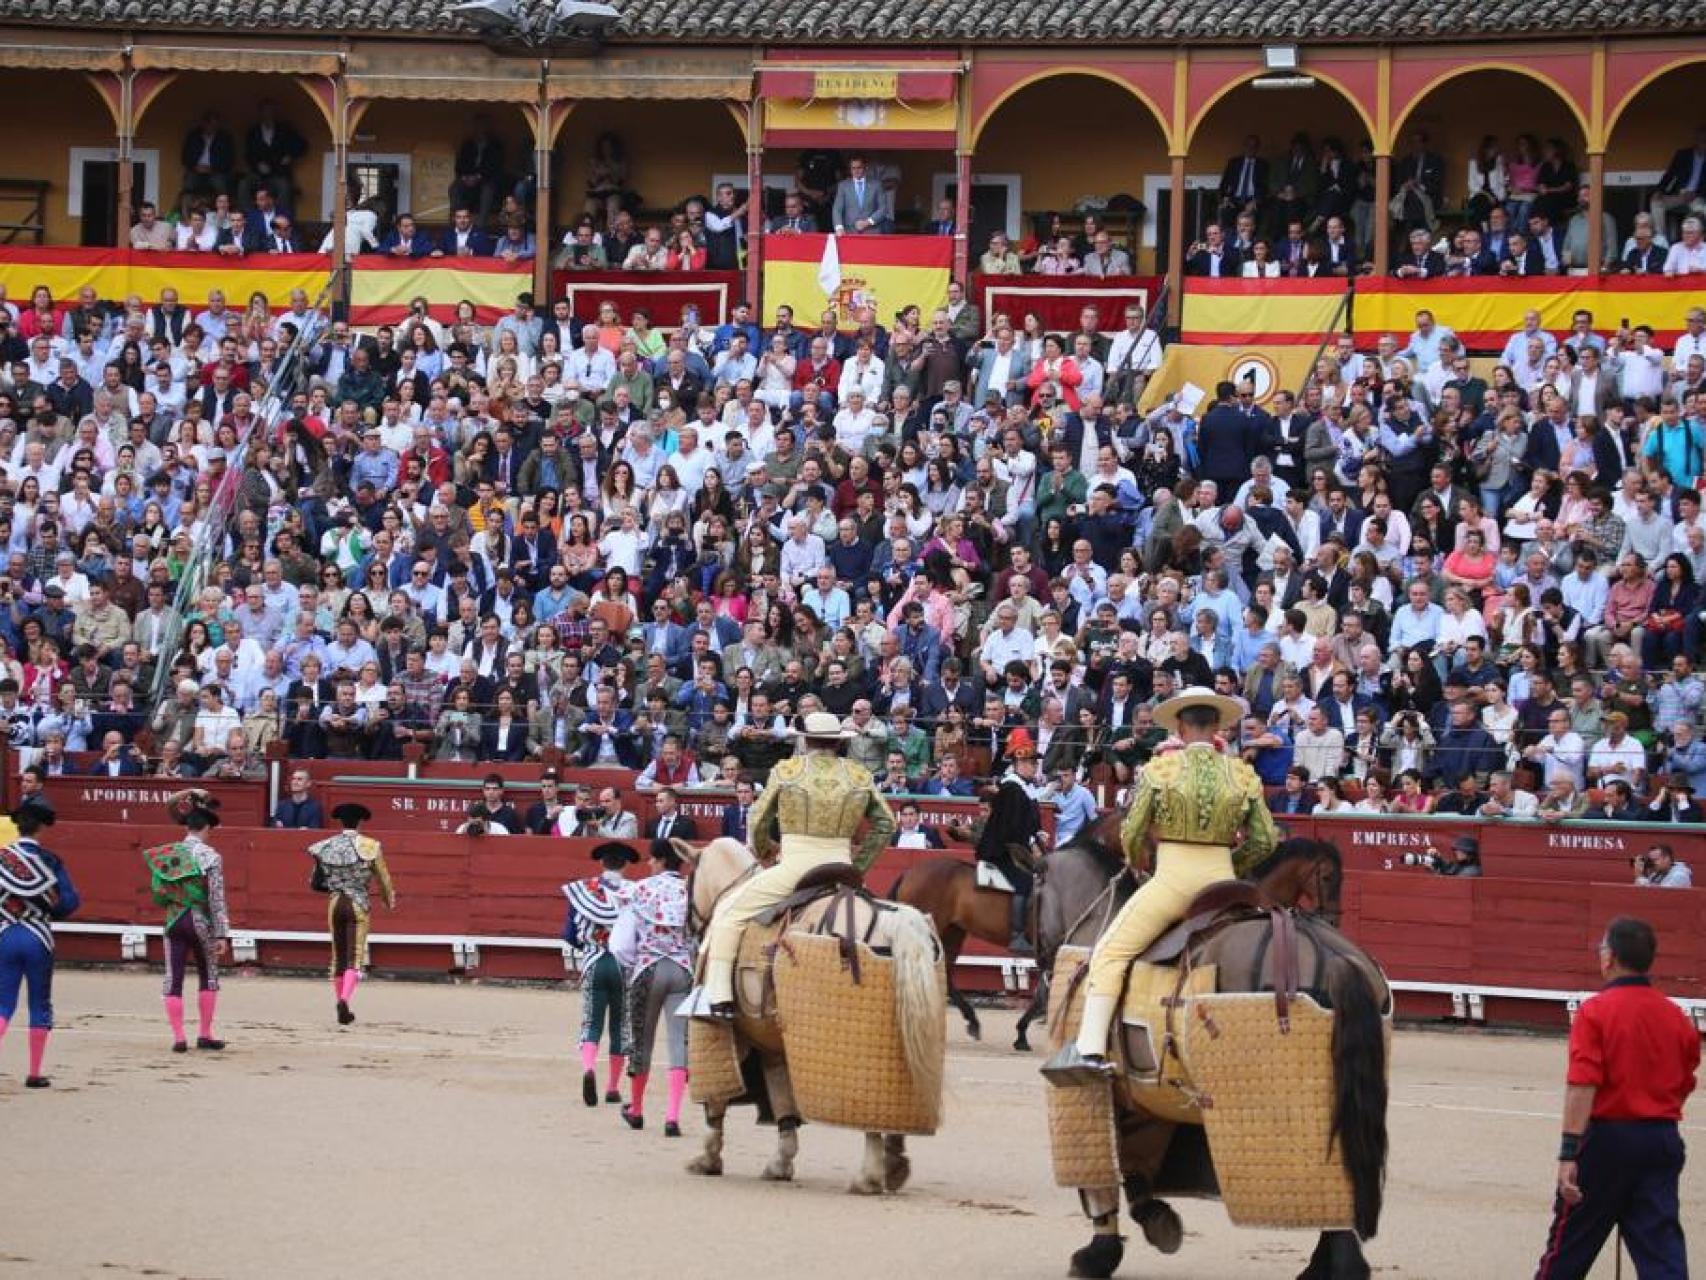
pixel 627 750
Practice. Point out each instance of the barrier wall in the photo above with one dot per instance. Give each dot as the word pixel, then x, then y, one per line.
pixel 1058 300
pixel 661 295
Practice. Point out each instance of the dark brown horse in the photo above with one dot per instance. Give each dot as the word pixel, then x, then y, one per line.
pixel 1081 886
pixel 1090 870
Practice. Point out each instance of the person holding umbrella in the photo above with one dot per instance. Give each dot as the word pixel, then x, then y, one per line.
pixel 345 867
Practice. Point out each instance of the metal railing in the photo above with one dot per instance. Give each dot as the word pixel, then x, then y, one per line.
pixel 209 546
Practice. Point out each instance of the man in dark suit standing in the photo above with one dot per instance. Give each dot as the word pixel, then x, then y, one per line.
pixel 1420 178
pixel 861 205
pixel 270 148
pixel 209 158
pixel 479 170
pixel 736 815
pixel 671 823
pixel 1226 441
pixel 1244 182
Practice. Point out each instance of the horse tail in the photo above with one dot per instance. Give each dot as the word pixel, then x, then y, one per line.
pixel 921 1003
pixel 1359 1088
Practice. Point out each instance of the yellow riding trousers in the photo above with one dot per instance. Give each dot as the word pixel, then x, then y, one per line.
pixel 1181 872
pixel 800 854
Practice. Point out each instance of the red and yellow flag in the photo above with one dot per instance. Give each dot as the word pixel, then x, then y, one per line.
pixel 381 288
pixel 1276 312
pixel 884 273
pixel 1484 312
pixel 116 274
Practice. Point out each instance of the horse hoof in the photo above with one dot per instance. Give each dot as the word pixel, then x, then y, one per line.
pixel 974 1031
pixel 1099 1259
pixel 1161 1225
pixel 1022 1045
pixel 706 1167
pixel 778 1173
pixel 897 1174
pixel 863 1186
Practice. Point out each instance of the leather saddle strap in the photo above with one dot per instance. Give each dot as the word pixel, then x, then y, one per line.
pixel 1284 966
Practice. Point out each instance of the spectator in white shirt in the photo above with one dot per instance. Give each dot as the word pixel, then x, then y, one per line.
pixel 854 422
pixel 1505 801
pixel 1561 753
pixel 1688 256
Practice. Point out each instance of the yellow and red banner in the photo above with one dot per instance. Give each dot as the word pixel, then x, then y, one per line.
pixel 884 273
pixel 1267 368
pixel 1272 312
pixel 1485 312
pixel 116 274
pixel 381 288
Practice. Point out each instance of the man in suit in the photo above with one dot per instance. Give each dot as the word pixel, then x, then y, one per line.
pixel 1644 256
pixel 281 238
pixel 795 221
pixel 209 157
pixel 1593 387
pixel 479 170
pixel 1104 259
pixel 861 205
pixel 1419 261
pixel 1549 240
pixel 736 816
pixel 118 759
pixel 404 241
pixel 1682 184
pixel 1226 441
pixel 607 735
pixel 462 239
pixel 270 148
pixel 1212 256
pixel 943 223
pixel 1420 179
pixel 1522 257
pixel 663 635
pixel 1340 518
pixel 1244 182
pixel 671 823
pixel 1338 252
pixel 239 239
pixel 1473 259
pixel 999 369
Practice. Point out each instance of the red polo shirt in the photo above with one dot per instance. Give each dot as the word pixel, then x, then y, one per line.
pixel 1637 1050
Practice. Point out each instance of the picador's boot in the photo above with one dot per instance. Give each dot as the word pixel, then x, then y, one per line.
pixel 1019 944
pixel 1074 1065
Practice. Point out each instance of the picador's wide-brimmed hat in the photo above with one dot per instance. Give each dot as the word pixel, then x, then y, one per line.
pixel 1167 714
pixel 824 726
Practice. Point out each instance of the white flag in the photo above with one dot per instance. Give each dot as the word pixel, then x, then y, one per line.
pixel 829 269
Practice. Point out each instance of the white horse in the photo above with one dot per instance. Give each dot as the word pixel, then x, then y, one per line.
pixel 920 1007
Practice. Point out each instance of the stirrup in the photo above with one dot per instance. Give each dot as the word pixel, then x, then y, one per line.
pixel 697 1005
pixel 1020 945
pixel 1071 1069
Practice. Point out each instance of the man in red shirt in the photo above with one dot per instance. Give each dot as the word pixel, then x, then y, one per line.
pixel 1633 1057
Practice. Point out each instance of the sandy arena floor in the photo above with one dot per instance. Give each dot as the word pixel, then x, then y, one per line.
pixel 444 1136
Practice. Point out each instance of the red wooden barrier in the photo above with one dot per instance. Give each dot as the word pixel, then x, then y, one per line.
pixel 96 799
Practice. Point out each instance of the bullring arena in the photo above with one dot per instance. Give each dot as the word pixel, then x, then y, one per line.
pixel 444 1136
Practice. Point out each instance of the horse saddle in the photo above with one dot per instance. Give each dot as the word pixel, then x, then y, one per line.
pixel 990 876
pixel 819 882
pixel 1224 901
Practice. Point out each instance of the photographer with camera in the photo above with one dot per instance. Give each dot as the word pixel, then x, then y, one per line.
pixel 1463 859
pixel 1658 868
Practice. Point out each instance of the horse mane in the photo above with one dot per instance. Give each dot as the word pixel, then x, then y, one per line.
pixel 1110 861
pixel 1298 847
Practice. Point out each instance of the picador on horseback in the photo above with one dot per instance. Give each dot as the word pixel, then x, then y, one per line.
pixel 1012 838
pixel 1195 802
pixel 819 800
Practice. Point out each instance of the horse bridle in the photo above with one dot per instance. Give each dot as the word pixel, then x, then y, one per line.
pixel 697 923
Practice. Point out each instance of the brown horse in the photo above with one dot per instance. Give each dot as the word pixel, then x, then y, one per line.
pixel 1080 887
pixel 945 889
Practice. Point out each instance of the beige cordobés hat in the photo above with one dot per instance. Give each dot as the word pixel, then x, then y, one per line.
pixel 823 725
pixel 1167 714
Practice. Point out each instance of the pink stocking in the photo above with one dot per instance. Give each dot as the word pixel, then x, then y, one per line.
pixel 617 1062
pixel 637 1092
pixel 38 1047
pixel 4 1023
pixel 677 1091
pixel 206 1002
pixel 346 987
pixel 175 1016
pixel 589 1054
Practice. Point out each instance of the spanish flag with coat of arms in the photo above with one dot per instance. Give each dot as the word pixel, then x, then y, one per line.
pixel 812 273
